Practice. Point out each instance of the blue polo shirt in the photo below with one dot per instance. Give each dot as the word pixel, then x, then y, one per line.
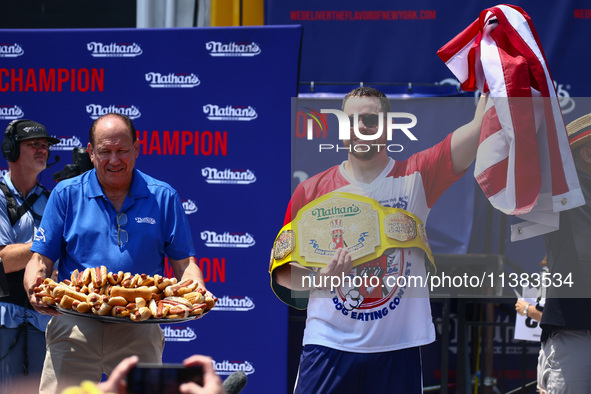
pixel 11 314
pixel 79 227
pixel 23 230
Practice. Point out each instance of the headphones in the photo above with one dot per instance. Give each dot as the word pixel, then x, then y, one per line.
pixel 11 148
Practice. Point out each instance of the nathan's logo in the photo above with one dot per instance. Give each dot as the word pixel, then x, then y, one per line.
pixel 3 172
pixel 178 334
pixel 229 112
pixel 247 49
pixel 11 50
pixel 145 220
pixel 233 304
pixel 67 143
pixel 172 80
pixel 328 213
pixel 227 367
pixel 189 207
pixel 227 240
pixel 11 112
pixel 96 110
pixel 374 129
pixel 239 177
pixel 99 49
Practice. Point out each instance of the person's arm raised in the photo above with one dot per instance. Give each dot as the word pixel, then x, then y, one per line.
pixel 464 141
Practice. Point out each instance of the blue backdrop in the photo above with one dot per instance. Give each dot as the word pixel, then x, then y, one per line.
pixel 396 42
pixel 209 106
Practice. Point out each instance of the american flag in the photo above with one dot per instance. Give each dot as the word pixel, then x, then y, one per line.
pixel 524 164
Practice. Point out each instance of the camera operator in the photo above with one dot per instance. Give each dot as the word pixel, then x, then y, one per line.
pixel 22 202
pixel 80 164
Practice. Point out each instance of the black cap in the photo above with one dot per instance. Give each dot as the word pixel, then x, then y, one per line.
pixel 29 129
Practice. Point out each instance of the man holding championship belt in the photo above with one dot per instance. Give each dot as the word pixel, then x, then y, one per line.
pixel 361 339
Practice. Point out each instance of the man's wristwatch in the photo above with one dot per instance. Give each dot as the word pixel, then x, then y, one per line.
pixel 525 310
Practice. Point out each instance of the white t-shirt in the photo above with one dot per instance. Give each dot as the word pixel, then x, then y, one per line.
pixel 395 312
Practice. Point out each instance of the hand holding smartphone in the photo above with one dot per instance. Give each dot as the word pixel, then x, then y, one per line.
pixel 149 378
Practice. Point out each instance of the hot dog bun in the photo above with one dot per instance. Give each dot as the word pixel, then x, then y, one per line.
pixel 99 276
pixel 62 290
pixel 131 294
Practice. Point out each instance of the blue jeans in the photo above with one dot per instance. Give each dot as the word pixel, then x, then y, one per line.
pixel 22 350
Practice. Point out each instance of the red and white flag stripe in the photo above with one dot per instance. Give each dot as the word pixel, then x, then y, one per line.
pixel 524 164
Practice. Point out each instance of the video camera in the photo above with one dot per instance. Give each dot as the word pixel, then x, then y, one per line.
pixel 80 164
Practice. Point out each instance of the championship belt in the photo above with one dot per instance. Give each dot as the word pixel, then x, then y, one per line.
pixel 344 220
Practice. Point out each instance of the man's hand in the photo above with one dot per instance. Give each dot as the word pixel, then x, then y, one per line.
pixel 340 264
pixel 35 273
pixel 37 304
pixel 294 278
pixel 212 384
pixel 116 382
pixel 188 269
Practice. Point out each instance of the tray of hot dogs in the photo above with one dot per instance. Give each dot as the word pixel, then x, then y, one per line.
pixel 113 319
pixel 123 297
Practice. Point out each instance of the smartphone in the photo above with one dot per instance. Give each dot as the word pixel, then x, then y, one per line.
pixel 148 378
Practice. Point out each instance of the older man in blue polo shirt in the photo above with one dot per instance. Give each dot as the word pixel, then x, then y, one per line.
pixel 113 215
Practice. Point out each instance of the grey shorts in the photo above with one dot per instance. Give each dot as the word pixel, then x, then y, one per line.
pixel 565 362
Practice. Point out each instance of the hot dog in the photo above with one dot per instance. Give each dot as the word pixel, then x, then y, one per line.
pixel 94 299
pixel 119 311
pixel 135 280
pixel 81 278
pixel 146 280
pixel 115 279
pixel 164 283
pixel 141 314
pixel 198 309
pixel 181 288
pixel 74 276
pixel 140 302
pixel 62 290
pixel 179 307
pixel 130 294
pixel 177 301
pixel 178 312
pixel 117 301
pixel 49 281
pixel 101 309
pixel 66 302
pixel 99 276
pixel 194 297
pixel 81 307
